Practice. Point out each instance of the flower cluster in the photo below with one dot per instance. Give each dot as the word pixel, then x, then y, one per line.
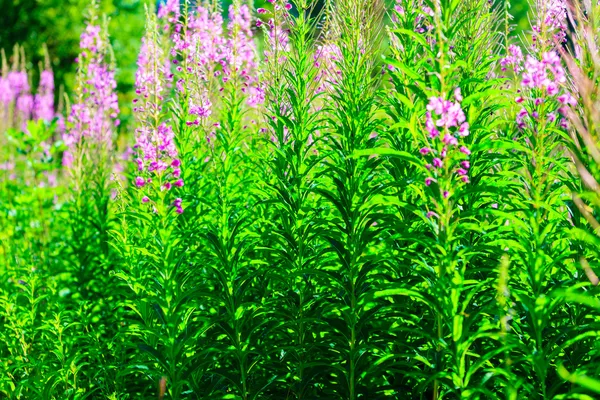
pixel 207 57
pixel 149 80
pixel 552 20
pixel 447 158
pixel 277 31
pixel 241 55
pixel 327 59
pixel 514 59
pixel 157 155
pixel 15 96
pixel 169 13
pixel 94 114
pixel 201 50
pixel 43 104
pixel 17 103
pixel 155 141
pixel 543 91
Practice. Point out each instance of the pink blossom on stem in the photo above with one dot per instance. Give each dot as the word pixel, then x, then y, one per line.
pixel 43 107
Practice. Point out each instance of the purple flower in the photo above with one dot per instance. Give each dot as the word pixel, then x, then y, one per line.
pixel 450 140
pixel 431 214
pixel 43 104
pixel 139 181
pixel 94 115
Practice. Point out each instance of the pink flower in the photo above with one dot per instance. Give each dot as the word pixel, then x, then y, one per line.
pixel 450 140
pixel 458 95
pixel 139 181
pixel 94 115
pixel 431 214
pixel 428 181
pixel 437 163
pixel 566 99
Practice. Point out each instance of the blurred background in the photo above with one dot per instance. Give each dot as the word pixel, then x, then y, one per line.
pixel 58 24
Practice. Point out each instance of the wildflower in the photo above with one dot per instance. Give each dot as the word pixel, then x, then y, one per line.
pixel 514 59
pixel 552 20
pixel 177 204
pixel 327 59
pixel 445 120
pixel 94 115
pixel 431 214
pixel 43 104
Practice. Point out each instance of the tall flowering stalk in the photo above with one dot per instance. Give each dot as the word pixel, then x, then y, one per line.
pixel 16 100
pixel 348 189
pixel 581 370
pixel 158 165
pixel 441 102
pixel 291 241
pixel 447 158
pixel 43 102
pixel 551 24
pixel 89 136
pixel 236 106
pixel 94 113
pixel 543 250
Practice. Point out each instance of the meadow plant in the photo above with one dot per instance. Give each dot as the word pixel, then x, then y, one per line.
pixel 309 209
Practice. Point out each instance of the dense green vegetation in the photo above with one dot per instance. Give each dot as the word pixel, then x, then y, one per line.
pixel 340 200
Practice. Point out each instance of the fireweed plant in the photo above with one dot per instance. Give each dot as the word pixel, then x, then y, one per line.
pixel 542 246
pixel 291 242
pixel 583 116
pixel 441 163
pixel 321 200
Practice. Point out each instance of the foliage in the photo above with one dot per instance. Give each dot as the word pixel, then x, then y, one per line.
pixel 323 200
